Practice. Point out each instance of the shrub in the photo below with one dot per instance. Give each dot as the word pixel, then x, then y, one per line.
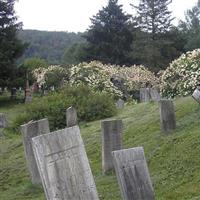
pixel 182 76
pixel 90 105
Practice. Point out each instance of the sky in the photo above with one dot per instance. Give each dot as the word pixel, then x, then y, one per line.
pixel 74 15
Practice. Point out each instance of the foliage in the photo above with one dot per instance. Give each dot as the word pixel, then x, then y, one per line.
pixel 10 46
pixel 75 54
pixel 90 105
pixel 48 45
pixel 53 75
pixel 191 27
pixel 109 37
pixel 182 76
pixel 154 43
pixel 119 81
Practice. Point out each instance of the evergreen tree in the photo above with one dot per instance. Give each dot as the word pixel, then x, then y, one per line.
pixel 109 37
pixel 10 46
pixel 191 27
pixel 153 20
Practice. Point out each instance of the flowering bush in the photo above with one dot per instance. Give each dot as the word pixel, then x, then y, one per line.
pixel 182 76
pixel 54 75
pixel 119 81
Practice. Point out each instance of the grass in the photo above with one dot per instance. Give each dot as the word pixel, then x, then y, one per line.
pixel 173 159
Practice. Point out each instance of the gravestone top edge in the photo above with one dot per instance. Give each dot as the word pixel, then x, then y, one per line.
pixel 33 122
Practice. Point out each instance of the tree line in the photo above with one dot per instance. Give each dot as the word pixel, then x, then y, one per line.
pixel 115 37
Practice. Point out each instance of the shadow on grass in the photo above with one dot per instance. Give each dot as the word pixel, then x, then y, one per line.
pixel 6 101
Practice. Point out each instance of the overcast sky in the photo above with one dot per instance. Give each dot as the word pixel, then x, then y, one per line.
pixel 74 15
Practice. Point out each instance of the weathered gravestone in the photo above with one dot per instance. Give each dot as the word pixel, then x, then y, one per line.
pixel 64 166
pixel 71 117
pixel 13 93
pixel 111 141
pixel 3 120
pixel 154 94
pixel 144 95
pixel 120 104
pixel 30 130
pixel 196 94
pixel 167 115
pixel 132 174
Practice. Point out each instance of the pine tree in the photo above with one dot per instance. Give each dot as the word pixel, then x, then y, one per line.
pixel 109 37
pixel 10 46
pixel 153 20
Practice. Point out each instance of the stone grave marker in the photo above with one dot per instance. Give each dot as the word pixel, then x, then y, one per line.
pixel 30 130
pixel 64 166
pixel 3 120
pixel 132 174
pixel 71 117
pixel 120 103
pixel 196 94
pixel 145 95
pixel 167 115
pixel 111 141
pixel 154 94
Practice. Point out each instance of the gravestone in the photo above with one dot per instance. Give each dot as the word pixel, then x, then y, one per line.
pixel 111 141
pixel 64 166
pixel 145 95
pixel 132 174
pixel 30 130
pixel 3 121
pixel 120 104
pixel 71 117
pixel 13 93
pixel 154 94
pixel 167 115
pixel 28 95
pixel 196 94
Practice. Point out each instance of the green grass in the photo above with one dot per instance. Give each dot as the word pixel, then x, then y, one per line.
pixel 173 159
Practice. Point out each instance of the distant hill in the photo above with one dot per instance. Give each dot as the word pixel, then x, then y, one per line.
pixel 48 45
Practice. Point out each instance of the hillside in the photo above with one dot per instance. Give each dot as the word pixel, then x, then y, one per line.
pixel 173 160
pixel 49 45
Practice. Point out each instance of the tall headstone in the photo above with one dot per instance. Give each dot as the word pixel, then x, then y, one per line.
pixel 3 120
pixel 111 141
pixel 64 166
pixel 120 104
pixel 30 130
pixel 145 95
pixel 196 94
pixel 167 115
pixel 28 96
pixel 132 174
pixel 71 117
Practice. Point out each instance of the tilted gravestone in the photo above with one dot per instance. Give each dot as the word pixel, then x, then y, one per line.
pixel 167 115
pixel 71 117
pixel 64 166
pixel 120 104
pixel 196 94
pixel 111 141
pixel 132 174
pixel 30 130
pixel 3 120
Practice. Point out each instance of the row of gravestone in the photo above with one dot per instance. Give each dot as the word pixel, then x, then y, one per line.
pixel 59 161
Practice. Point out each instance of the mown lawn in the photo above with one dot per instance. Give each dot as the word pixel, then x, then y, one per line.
pixel 173 160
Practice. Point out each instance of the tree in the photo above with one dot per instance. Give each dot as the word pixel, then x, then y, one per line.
pixel 109 37
pixel 153 21
pixel 191 27
pixel 10 46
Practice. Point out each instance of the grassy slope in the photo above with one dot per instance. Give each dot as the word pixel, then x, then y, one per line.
pixel 173 160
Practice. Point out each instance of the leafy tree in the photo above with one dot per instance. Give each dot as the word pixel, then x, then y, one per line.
pixel 10 46
pixel 152 46
pixel 109 36
pixel 75 54
pixel 191 27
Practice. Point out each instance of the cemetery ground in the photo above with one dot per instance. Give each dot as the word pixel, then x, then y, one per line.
pixel 173 159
